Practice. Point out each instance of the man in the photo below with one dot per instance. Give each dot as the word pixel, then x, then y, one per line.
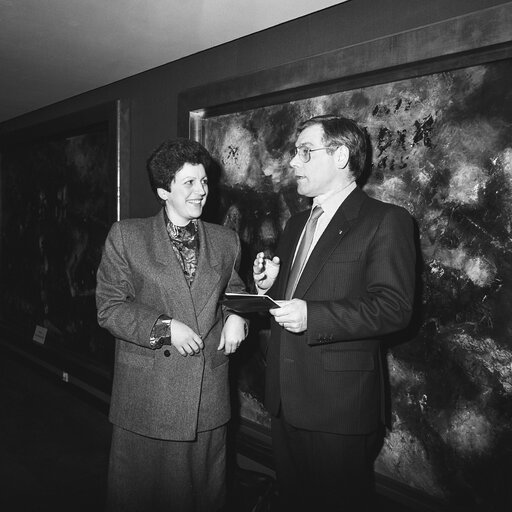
pixel 346 271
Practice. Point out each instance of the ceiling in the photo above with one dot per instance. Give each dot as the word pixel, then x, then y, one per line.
pixel 51 50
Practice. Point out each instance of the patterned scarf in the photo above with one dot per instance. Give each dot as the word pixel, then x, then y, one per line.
pixel 185 243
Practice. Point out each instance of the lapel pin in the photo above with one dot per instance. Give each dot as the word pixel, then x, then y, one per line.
pixel 340 232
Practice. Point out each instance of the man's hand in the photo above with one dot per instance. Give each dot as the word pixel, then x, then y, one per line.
pixel 233 333
pixel 184 339
pixel 292 315
pixel 265 272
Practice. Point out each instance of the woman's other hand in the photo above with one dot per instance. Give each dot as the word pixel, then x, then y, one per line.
pixel 233 333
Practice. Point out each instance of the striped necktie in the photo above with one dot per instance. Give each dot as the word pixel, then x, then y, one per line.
pixel 302 252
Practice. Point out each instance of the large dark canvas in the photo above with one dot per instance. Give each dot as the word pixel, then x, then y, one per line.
pixel 442 149
pixel 58 200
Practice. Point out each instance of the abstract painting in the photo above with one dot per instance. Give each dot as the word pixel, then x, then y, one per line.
pixel 58 202
pixel 442 148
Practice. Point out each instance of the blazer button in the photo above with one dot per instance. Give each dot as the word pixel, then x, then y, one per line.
pixel 167 353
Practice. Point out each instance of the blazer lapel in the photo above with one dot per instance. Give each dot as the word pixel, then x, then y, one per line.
pixel 207 274
pixel 335 231
pixel 173 282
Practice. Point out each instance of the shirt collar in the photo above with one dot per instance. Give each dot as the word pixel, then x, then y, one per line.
pixel 332 200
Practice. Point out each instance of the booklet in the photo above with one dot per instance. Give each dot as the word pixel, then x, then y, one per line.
pixel 248 302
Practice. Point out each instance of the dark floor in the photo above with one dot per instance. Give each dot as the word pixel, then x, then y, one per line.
pixel 54 443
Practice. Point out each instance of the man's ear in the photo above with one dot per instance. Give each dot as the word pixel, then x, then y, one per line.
pixel 162 193
pixel 341 156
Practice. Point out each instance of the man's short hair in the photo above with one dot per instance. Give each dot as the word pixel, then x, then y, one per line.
pixel 341 131
pixel 170 157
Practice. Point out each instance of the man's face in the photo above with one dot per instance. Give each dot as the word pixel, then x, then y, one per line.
pixel 188 194
pixel 320 174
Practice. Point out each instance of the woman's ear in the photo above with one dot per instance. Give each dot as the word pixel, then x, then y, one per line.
pixel 162 193
pixel 341 156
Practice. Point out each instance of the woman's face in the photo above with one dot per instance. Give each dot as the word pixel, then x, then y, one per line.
pixel 187 197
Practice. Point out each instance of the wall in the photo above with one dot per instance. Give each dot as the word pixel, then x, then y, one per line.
pixel 152 96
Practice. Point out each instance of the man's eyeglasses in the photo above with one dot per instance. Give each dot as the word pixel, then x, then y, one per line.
pixel 304 152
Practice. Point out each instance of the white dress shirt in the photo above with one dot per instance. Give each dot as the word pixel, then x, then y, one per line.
pixel 330 202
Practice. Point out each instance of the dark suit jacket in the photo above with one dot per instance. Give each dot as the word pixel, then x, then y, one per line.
pixel 159 393
pixel 359 285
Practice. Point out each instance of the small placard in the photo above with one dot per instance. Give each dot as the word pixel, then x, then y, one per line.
pixel 40 334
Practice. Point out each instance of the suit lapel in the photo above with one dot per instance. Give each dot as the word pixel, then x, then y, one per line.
pixel 334 233
pixel 173 282
pixel 193 299
pixel 207 274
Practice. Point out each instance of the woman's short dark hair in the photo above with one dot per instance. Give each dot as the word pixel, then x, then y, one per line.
pixel 170 157
pixel 341 131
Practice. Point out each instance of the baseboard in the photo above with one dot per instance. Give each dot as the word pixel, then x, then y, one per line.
pixel 62 374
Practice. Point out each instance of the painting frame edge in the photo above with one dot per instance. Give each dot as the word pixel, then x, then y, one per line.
pixel 484 34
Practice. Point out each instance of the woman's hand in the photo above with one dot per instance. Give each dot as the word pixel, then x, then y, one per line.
pixel 233 333
pixel 184 339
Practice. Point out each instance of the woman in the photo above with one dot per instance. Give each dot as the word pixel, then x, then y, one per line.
pixel 158 290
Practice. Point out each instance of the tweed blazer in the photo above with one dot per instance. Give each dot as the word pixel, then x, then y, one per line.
pixel 359 285
pixel 159 393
